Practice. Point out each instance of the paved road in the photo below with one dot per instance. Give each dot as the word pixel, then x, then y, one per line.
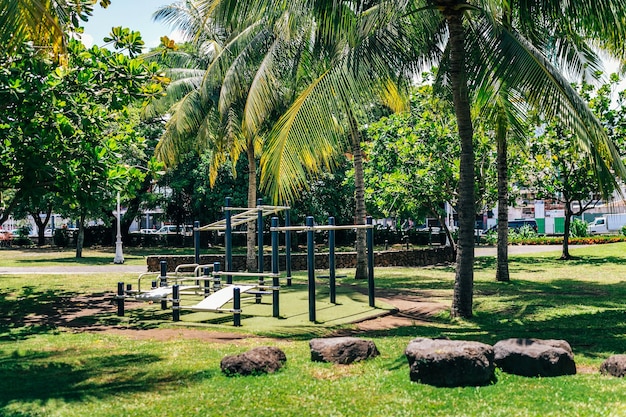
pixel 138 269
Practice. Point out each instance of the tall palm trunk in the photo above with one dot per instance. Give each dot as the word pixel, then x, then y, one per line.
pixel 464 281
pixel 251 264
pixel 502 269
pixel 359 195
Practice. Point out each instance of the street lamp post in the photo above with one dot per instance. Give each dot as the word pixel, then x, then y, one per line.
pixel 119 255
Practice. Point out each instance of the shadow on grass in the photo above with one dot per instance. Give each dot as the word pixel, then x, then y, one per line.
pixel 30 312
pixel 42 376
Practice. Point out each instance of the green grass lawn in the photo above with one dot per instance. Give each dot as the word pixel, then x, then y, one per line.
pixel 53 371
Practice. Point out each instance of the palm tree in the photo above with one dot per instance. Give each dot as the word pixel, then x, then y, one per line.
pixel 454 33
pixel 43 22
pixel 227 104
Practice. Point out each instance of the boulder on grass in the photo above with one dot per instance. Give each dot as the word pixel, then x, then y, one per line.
pixel 450 363
pixel 260 360
pixel 615 365
pixel 535 357
pixel 342 350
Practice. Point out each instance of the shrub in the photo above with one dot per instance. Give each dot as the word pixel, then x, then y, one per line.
pixel 524 232
pixel 61 237
pixel 578 228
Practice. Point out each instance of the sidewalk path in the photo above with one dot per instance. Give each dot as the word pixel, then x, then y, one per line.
pixel 74 269
pixel 521 249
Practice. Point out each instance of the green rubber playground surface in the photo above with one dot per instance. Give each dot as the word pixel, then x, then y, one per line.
pixel 351 306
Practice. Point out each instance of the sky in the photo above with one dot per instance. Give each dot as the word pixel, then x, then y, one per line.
pixel 133 14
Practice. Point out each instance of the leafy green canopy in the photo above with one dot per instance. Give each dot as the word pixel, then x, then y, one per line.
pixel 62 127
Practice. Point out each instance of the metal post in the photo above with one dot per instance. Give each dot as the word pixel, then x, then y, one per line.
pixel 237 307
pixel 217 282
pixel 259 233
pixel 163 282
pixel 288 247
pixel 310 244
pixel 120 299
pixel 196 241
pixel 119 254
pixel 275 281
pixel 207 283
pixel 331 262
pixel 176 302
pixel 228 237
pixel 370 262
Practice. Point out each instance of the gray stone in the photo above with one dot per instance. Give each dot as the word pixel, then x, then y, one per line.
pixel 450 363
pixel 342 350
pixel 260 360
pixel 535 357
pixel 614 365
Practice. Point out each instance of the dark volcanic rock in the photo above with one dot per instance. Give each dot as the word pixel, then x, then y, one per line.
pixel 535 357
pixel 342 350
pixel 450 363
pixel 261 360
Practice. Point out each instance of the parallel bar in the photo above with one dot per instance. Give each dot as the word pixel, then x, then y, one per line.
pixel 331 261
pixel 310 242
pixel 275 282
pixel 196 241
pixel 287 247
pixel 163 282
pixel 244 274
pixel 228 237
pixel 370 263
pixel 120 299
pixel 176 303
pixel 237 307
pixel 322 227
pixel 259 233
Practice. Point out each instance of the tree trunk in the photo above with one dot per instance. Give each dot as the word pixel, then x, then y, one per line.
pixel 359 195
pixel 568 220
pixel 251 263
pixel 80 239
pixel 464 281
pixel 41 226
pixel 502 269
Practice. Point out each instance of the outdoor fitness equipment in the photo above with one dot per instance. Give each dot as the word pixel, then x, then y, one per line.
pixel 214 302
pixel 311 229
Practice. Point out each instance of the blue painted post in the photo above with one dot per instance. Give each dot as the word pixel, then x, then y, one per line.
pixel 275 281
pixel 331 262
pixel 370 262
pixel 310 261
pixel 217 281
pixel 228 239
pixel 163 276
pixel 259 233
pixel 120 299
pixel 288 247
pixel 237 307
pixel 163 282
pixel 176 302
pixel 206 273
pixel 196 241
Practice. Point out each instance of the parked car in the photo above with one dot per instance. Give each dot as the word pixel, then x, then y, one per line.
pixel 144 232
pixel 5 237
pixel 517 224
pixel 172 229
